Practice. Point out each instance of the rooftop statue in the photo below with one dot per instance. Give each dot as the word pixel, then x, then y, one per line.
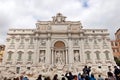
pixel 59 18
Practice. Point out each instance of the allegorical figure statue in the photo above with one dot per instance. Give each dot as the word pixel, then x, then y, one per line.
pixel 76 56
pixel 42 56
pixel 59 58
pixel 59 18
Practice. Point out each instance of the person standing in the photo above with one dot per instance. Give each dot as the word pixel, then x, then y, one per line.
pixel 55 77
pixel 110 76
pixel 117 73
pixel 39 77
pixel 92 77
pixel 25 78
pixel 88 70
pixel 85 71
pixel 79 76
pixel 69 76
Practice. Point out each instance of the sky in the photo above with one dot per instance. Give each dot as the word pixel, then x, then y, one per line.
pixel 93 14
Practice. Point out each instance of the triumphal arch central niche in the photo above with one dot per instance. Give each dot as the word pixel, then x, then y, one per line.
pixel 57 45
pixel 60 54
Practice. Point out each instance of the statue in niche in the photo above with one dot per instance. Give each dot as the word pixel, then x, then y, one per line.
pixel 76 56
pixel 42 56
pixel 58 58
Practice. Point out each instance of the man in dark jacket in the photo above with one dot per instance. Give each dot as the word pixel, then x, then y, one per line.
pixel 117 73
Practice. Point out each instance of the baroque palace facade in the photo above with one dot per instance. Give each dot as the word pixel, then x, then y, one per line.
pixel 57 45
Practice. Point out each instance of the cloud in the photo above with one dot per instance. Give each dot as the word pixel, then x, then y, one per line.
pixel 92 13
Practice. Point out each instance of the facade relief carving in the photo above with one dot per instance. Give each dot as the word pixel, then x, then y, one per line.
pixel 21 46
pixel 75 42
pixel 31 46
pixel 17 39
pixel 42 42
pixel 105 45
pixel 86 44
pixel 96 46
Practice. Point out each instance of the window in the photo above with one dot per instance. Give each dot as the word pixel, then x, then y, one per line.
pixel 31 40
pixel 98 56
pixel 22 40
pixel 112 43
pixel 9 56
pixel 115 43
pixel 12 41
pixel 107 56
pixel 117 50
pixel 88 56
pixel 30 56
pixel 113 50
pixel 18 70
pixel 20 56
pixel 28 68
pixel 99 67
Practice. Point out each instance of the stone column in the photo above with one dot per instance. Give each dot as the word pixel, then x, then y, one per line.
pixel 52 56
pixel 66 57
pixel 36 60
pixel 48 52
pixel 82 54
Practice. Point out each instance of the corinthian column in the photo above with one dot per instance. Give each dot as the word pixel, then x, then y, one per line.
pixel 70 51
pixel 66 57
pixel 48 52
pixel 36 60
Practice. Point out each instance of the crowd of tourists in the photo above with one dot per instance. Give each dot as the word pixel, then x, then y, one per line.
pixel 86 75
